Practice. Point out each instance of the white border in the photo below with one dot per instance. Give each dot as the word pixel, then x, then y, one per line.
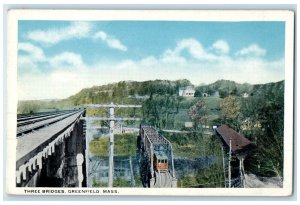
pixel 167 15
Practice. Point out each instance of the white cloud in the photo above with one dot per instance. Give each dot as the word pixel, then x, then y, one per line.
pixel 171 64
pixel 26 65
pixel 149 61
pixel 35 53
pixel 68 59
pixel 193 47
pixel 126 64
pixel 173 57
pixel 28 57
pixel 111 41
pixel 76 30
pixel 221 47
pixel 53 36
pixel 253 50
pixel 33 60
pixel 100 34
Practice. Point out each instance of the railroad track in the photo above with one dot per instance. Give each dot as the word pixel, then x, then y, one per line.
pixel 27 117
pixel 23 119
pixel 31 125
pixel 37 119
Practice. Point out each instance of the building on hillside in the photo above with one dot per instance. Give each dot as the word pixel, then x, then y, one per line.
pixel 245 95
pixel 188 124
pixel 249 124
pixel 205 94
pixel 188 91
pixel 142 97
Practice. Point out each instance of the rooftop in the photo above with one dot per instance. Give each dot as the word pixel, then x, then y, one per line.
pixel 160 155
pixel 239 144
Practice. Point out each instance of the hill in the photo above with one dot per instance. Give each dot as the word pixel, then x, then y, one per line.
pixel 127 91
pixel 224 88
pixel 137 92
pixel 268 88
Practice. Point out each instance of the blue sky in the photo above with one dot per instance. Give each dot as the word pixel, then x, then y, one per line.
pixel 65 56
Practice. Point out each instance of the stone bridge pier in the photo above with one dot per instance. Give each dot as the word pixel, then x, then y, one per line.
pixel 74 167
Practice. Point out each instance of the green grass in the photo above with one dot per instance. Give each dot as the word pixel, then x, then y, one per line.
pixel 125 145
pixel 209 178
pixel 212 102
pixel 180 118
pixel 99 147
pixel 192 145
pixel 118 182
pixel 213 106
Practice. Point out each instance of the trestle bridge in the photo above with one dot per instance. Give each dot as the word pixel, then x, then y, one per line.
pixel 156 159
pixel 50 149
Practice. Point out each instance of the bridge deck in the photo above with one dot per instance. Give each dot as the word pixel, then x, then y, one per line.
pixel 163 180
pixel 34 142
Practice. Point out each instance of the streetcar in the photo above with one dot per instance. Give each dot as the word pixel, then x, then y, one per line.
pixel 160 161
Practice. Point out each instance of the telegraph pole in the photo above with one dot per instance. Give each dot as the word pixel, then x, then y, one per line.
pixel 112 120
pixel 229 167
pixel 111 146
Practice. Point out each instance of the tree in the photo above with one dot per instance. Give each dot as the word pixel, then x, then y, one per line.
pixel 266 108
pixel 28 107
pixel 230 110
pixel 158 109
pixel 198 113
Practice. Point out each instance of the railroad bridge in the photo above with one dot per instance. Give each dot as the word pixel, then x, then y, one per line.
pixel 51 150
pixel 156 159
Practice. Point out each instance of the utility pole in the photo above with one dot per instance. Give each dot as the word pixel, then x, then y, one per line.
pixel 111 146
pixel 224 165
pixel 242 172
pixel 112 120
pixel 229 166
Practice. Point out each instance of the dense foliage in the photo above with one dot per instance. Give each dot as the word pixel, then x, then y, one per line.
pixel 264 112
pixel 160 110
pixel 259 116
pixel 196 145
pixel 34 106
pixel 224 88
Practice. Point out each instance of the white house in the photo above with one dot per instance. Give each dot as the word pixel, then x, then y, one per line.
pixel 188 91
pixel 245 95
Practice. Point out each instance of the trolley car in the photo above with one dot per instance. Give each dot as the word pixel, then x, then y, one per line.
pixel 160 161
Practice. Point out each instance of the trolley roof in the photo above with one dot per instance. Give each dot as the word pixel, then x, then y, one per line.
pixel 160 155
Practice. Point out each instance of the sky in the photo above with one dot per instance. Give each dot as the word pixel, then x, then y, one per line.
pixel 56 59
